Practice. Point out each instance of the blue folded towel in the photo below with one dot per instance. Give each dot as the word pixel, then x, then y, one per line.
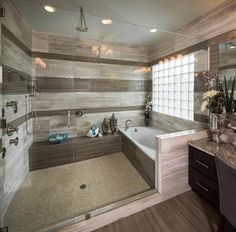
pixel 58 138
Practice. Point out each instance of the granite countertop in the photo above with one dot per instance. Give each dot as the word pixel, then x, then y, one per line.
pixel 225 150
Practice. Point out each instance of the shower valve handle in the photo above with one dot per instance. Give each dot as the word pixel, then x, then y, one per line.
pixel 11 129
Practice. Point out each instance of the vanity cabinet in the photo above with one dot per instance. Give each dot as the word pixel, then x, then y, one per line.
pixel 203 175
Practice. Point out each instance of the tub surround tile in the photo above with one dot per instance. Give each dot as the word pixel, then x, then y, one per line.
pixel 172 150
pixel 141 162
pixel 173 124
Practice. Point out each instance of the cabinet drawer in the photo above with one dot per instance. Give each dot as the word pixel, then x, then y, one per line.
pixel 203 162
pixel 204 186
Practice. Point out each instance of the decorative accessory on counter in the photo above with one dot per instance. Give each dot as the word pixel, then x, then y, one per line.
pixel 148 108
pixel 214 101
pixel 93 132
pixel 57 138
pixel 217 126
pixel 113 123
pixel 105 126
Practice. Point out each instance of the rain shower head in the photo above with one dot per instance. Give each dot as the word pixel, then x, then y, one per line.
pixel 83 26
pixel 81 29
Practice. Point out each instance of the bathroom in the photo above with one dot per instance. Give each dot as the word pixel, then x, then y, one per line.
pixel 100 106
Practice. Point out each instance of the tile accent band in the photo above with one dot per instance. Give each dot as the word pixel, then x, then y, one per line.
pixel 54 84
pixel 56 56
pixel 64 112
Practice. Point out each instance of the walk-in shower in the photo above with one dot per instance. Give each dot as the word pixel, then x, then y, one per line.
pixel 65 83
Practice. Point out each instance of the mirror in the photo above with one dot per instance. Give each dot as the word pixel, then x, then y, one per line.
pixel 227 59
pixel 227 72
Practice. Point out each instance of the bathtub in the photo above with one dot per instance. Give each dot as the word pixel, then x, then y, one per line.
pixel 144 138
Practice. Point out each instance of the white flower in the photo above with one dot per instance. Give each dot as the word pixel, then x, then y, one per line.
pixel 204 106
pixel 210 94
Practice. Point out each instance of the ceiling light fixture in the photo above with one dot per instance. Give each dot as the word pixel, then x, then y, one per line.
pixel 49 9
pixel 106 21
pixel 153 30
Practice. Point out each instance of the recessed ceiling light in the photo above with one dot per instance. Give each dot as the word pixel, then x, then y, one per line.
pixel 153 30
pixel 49 9
pixel 107 21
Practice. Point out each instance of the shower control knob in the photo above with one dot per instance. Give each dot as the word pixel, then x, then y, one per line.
pixel 4 151
pixel 14 141
pixel 14 105
pixel 11 129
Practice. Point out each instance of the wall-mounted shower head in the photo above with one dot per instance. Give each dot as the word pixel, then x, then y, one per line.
pixel 83 26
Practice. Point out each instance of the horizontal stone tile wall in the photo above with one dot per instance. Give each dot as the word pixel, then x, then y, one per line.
pixel 51 43
pixel 16 68
pixel 172 124
pixel 220 20
pixel 99 87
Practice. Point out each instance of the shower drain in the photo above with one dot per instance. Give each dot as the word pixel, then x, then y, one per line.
pixel 83 186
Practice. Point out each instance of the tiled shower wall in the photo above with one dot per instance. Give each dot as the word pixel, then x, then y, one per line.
pixel 77 79
pixel 16 62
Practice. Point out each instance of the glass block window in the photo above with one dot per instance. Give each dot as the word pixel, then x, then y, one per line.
pixel 173 87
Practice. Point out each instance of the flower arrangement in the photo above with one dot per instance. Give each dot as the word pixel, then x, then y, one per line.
pixel 213 100
pixel 148 106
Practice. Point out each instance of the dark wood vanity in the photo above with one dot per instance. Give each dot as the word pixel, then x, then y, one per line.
pixel 203 175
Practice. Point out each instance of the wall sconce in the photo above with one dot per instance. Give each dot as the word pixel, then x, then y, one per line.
pixel 142 70
pixel 40 62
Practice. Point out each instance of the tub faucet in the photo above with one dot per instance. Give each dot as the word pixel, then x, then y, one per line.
pixel 127 123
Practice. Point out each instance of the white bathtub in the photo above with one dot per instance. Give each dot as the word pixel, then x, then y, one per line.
pixel 144 138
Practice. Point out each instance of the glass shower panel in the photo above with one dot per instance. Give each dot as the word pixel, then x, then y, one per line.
pixel 38 89
pixel 69 82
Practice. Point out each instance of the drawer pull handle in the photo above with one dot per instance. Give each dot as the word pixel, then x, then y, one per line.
pixel 200 185
pixel 201 163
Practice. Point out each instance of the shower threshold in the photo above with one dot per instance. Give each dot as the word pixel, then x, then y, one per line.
pixel 98 211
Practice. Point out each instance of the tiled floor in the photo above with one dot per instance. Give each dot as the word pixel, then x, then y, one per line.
pixel 53 195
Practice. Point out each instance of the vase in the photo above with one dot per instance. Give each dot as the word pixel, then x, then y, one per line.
pixel 217 126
